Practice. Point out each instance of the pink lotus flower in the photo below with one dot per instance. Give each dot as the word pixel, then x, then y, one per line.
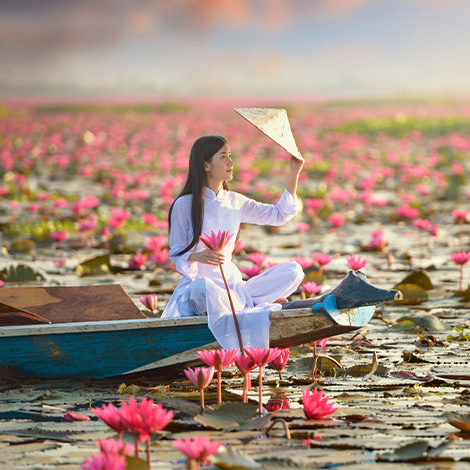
pixel 302 227
pixel 407 212
pixel 336 220
pixel 160 257
pixel 59 236
pixel 145 418
pixel 87 225
pixel 201 378
pixel 112 456
pixel 150 302
pixel 460 215
pixel 422 224
pixel 315 405
pixel 197 449
pixel 280 362
pixel 149 219
pixel 252 271
pixel 111 416
pixel 315 204
pixel 322 259
pixel 33 207
pixel 261 357
pixel 154 243
pixel 277 403
pixel 2 283
pixel 4 190
pixel 257 258
pixel 379 240
pixel 138 260
pixel 303 261
pixel 239 246
pixel 216 241
pixel 356 263
pixel 70 417
pixel 434 230
pixel 310 288
pixel 246 364
pixel 219 359
pixel 461 258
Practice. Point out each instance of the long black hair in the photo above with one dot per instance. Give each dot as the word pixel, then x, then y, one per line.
pixel 202 151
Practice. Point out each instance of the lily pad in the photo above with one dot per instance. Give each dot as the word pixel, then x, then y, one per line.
pixel 418 278
pixel 412 294
pixel 416 451
pixel 363 370
pixel 21 273
pixel 94 267
pixel 305 365
pixel 233 459
pixel 426 321
pixel 230 416
pixel 134 463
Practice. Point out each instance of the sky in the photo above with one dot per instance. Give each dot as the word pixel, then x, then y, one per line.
pixel 171 48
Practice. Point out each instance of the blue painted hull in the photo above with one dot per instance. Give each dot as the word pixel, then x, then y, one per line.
pixel 99 354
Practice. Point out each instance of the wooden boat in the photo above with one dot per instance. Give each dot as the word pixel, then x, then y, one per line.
pixel 97 331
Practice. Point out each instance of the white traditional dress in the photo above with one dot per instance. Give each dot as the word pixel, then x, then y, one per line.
pixel 201 291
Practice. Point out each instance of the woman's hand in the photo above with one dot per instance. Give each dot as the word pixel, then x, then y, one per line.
pixel 211 257
pixel 296 164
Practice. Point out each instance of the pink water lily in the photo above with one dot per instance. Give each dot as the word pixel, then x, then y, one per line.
pixel 246 364
pixel 201 377
pixel 316 406
pixel 336 220
pixel 461 258
pixel 322 260
pixel 112 417
pixel 280 362
pixel 111 457
pixel 303 261
pixel 197 450
pixel 150 302
pixel 356 263
pixel 252 271
pixel 311 288
pixel 138 260
pixel 261 356
pixel 216 241
pixel 219 359
pixel 71 416
pixel 257 258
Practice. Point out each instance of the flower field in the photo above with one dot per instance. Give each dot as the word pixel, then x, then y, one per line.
pixel 84 194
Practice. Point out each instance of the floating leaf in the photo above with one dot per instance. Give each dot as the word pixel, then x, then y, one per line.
pixel 418 278
pixel 426 321
pixel 463 294
pixel 408 356
pixel 403 325
pixel 324 365
pixel 21 273
pixel 22 246
pixel 134 463
pixel 412 294
pixel 94 267
pixel 411 451
pixel 128 389
pixel 232 416
pixel 363 370
pixel 233 459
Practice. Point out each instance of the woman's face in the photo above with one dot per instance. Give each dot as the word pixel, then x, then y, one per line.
pixel 220 167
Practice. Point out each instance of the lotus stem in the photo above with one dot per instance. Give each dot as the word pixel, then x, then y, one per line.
pixel 260 382
pixel 149 459
pixel 315 360
pixel 137 451
pixel 461 276
pixel 191 464
pixel 235 319
pixel 284 424
pixel 201 392
pixel 245 388
pixel 219 386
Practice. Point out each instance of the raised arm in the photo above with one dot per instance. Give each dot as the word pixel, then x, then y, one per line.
pixel 295 167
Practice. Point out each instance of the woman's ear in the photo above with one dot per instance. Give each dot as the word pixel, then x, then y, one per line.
pixel 206 166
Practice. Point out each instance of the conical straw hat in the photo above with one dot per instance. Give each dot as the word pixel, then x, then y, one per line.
pixel 274 123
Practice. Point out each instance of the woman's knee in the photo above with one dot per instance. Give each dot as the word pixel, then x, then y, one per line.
pixel 295 271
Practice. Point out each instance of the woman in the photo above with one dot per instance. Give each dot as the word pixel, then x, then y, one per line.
pixel 204 205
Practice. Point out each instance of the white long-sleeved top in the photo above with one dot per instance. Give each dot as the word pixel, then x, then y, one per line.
pixel 225 210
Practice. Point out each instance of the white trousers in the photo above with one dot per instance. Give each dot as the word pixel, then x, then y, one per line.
pixel 253 300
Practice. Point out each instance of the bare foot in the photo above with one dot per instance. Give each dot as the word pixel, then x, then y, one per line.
pixel 280 300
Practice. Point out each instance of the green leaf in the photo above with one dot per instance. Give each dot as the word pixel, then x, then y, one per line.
pixel 233 459
pixel 128 389
pixel 411 451
pixel 426 321
pixel 227 416
pixel 94 266
pixel 21 273
pixel 133 463
pixel 324 365
pixel 412 294
pixel 418 278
